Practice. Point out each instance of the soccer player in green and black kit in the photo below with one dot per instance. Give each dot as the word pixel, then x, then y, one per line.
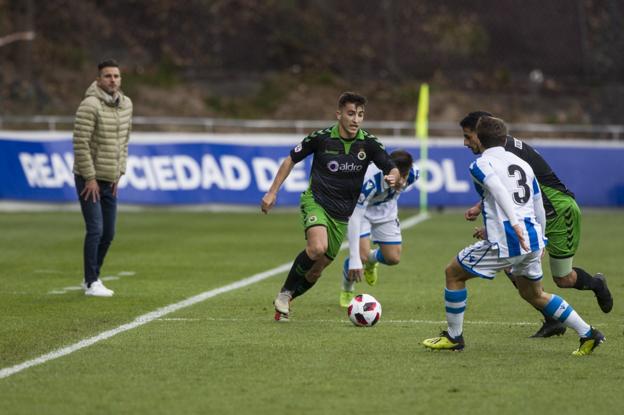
pixel 341 155
pixel 563 224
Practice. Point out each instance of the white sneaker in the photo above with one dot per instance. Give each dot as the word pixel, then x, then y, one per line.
pixel 282 306
pixel 282 302
pixel 98 289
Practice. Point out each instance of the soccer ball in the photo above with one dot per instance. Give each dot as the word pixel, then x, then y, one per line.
pixel 364 310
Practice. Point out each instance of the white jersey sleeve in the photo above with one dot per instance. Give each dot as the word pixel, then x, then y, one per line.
pixel 379 199
pixel 538 202
pixel 355 222
pixel 494 185
pixel 372 186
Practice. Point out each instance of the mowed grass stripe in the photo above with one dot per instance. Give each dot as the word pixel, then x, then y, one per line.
pixel 348 322
pixel 161 312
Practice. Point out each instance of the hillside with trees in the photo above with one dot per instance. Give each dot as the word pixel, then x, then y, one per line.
pixel 555 61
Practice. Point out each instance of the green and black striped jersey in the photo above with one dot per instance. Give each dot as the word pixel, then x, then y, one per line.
pixel 339 166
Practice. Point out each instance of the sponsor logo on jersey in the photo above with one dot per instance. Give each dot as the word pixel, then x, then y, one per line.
pixel 361 155
pixel 312 219
pixel 298 148
pixel 333 166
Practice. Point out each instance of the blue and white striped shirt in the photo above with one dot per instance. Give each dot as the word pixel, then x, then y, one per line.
pixel 511 195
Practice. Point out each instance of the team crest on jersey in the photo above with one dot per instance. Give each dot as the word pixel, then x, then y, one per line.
pixel 298 148
pixel 361 155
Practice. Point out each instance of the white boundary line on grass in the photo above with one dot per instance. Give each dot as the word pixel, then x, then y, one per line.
pixel 161 312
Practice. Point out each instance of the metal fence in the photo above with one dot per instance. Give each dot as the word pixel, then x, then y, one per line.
pixel 302 127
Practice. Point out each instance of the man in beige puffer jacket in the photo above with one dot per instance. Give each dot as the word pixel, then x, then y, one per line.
pixel 101 134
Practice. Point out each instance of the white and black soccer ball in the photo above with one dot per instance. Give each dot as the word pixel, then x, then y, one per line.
pixel 364 310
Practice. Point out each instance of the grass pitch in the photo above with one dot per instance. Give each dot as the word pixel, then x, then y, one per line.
pixel 226 355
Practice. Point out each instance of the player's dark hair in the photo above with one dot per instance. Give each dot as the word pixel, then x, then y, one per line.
pixel 108 63
pixel 491 131
pixel 403 160
pixel 470 121
pixel 351 97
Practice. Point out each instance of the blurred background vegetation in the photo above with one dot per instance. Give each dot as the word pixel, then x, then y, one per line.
pixel 554 61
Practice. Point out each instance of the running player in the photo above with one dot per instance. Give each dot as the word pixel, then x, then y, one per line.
pixel 375 217
pixel 563 224
pixel 514 221
pixel 341 156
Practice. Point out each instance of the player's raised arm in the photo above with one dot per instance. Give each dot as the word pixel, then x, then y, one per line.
pixel 298 153
pixel 382 160
pixel 270 197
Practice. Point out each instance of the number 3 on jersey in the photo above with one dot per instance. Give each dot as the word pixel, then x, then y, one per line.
pixel 524 191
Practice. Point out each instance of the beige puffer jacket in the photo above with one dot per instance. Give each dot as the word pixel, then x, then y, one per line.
pixel 101 134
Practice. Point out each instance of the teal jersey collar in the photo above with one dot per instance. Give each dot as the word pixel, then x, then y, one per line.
pixel 335 133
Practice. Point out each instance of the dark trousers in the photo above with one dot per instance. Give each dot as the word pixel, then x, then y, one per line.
pixel 99 217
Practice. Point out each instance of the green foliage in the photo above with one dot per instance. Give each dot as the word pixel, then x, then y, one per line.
pixel 226 355
pixel 458 35
pixel 261 103
pixel 162 75
pixel 408 94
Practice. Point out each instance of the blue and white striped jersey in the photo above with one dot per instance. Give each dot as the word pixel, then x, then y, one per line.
pixel 510 195
pixel 378 198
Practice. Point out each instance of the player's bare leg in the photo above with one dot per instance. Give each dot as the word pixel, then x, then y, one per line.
pixel 551 326
pixel 566 276
pixel 557 307
pixel 455 297
pixel 387 254
pixel 391 253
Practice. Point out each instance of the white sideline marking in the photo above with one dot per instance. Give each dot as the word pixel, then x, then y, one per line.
pixel 163 311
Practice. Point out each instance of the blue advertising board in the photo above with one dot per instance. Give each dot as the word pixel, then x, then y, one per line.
pixel 166 169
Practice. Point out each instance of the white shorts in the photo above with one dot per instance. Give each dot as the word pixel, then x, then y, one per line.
pixel 385 233
pixel 481 259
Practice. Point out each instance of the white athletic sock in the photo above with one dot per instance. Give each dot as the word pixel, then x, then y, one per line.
pixel 455 302
pixel 372 256
pixel 346 284
pixel 559 309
